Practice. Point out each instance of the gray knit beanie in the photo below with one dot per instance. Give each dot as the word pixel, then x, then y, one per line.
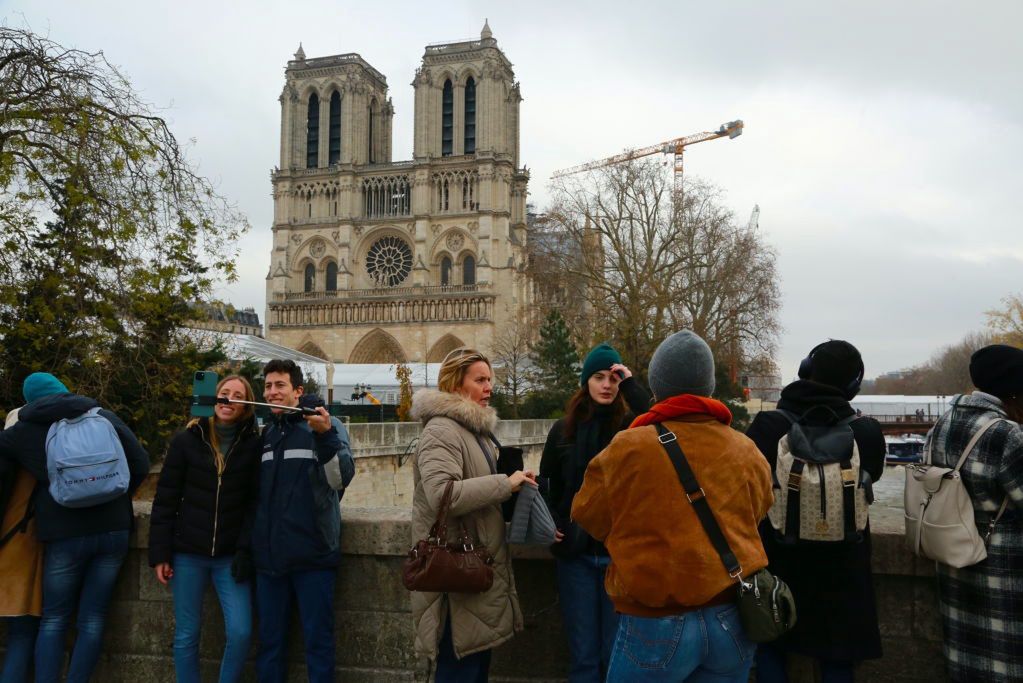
pixel 682 364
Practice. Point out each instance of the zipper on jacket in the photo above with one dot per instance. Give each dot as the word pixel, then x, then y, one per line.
pixel 220 480
pixel 90 464
pixel 824 495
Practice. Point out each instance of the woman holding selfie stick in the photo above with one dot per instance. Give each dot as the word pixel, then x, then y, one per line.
pixel 199 527
pixel 605 404
pixel 458 630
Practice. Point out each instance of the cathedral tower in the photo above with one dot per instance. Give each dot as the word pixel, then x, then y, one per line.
pixel 377 261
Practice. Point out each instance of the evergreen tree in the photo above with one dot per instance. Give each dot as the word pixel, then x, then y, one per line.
pixel 556 376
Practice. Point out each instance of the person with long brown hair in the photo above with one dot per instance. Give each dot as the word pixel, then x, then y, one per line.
pixel 607 400
pixel 198 529
pixel 458 630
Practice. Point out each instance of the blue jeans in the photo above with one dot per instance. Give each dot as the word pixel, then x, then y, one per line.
pixel 473 668
pixel 78 574
pixel 771 667
pixel 21 641
pixel 588 615
pixel 314 592
pixel 701 646
pixel 192 573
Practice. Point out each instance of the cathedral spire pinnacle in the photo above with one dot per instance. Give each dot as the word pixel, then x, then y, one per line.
pixel 300 54
pixel 486 33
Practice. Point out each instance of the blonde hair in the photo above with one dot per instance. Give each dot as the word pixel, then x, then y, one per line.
pixel 456 366
pixel 210 422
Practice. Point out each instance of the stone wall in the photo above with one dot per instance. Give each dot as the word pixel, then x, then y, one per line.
pixel 383 472
pixel 374 625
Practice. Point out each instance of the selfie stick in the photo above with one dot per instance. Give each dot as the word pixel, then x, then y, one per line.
pixel 213 400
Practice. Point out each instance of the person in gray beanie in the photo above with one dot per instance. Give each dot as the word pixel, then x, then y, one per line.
pixel 682 364
pixel 665 574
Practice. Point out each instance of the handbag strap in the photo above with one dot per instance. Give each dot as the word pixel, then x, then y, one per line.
pixel 698 499
pixel 439 530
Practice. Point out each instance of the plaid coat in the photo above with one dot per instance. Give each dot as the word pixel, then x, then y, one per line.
pixel 982 605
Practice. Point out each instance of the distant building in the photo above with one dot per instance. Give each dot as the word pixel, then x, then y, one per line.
pixel 226 318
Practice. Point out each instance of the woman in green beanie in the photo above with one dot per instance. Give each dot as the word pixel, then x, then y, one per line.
pixel 607 400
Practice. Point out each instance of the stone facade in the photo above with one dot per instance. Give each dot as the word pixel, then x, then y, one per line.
pixel 377 261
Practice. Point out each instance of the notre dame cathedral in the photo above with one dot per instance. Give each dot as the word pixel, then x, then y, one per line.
pixel 381 261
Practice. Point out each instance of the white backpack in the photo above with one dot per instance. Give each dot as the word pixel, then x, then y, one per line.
pixel 85 461
pixel 940 519
pixel 820 492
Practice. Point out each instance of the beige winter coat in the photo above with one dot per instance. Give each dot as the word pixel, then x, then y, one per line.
pixel 449 450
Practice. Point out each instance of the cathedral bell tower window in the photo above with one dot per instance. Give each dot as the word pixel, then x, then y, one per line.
pixel 469 271
pixel 447 120
pixel 470 116
pixel 312 136
pixel 331 277
pixel 334 153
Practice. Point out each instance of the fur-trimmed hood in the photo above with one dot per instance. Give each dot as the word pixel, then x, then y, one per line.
pixel 430 403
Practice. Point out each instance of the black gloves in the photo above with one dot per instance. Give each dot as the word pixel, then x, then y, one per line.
pixel 242 566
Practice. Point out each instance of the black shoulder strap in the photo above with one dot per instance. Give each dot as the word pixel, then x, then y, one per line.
pixel 22 526
pixel 698 500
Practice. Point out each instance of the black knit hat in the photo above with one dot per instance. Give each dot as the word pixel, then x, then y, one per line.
pixel 998 370
pixel 836 363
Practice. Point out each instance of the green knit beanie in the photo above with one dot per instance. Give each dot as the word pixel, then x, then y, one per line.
pixel 602 357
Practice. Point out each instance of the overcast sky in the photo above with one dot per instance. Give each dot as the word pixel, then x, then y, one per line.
pixel 883 140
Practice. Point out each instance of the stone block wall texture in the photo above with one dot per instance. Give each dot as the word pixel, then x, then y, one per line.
pixel 374 623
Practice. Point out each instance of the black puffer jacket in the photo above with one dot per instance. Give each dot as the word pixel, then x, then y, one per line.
pixel 561 470
pixel 194 510
pixel 831 582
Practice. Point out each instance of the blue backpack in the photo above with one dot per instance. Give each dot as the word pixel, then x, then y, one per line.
pixel 85 461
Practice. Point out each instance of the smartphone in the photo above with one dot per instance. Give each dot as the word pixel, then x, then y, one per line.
pixel 204 383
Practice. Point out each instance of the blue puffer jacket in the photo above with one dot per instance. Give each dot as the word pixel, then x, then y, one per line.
pixel 302 476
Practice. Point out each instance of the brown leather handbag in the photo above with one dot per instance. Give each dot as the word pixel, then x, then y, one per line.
pixel 437 566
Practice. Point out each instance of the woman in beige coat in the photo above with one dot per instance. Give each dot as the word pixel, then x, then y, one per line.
pixel 458 630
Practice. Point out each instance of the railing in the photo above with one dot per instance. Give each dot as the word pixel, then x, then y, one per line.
pixel 336 60
pixel 478 308
pixel 383 293
pixel 906 419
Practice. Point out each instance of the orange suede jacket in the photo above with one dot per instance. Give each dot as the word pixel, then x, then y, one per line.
pixel 661 560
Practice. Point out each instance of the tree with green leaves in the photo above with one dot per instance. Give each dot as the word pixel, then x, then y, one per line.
pixel 109 236
pixel 556 374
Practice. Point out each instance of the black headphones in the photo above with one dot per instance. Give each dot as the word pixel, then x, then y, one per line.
pixel 806 371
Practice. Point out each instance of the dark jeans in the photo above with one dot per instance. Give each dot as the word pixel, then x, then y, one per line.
pixel 78 574
pixel 192 575
pixel 474 668
pixel 21 641
pixel 314 593
pixel 771 667
pixel 588 616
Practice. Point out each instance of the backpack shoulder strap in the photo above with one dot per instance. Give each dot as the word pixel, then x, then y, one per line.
pixel 22 525
pixel 972 443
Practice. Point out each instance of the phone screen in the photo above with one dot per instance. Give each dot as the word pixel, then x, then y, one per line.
pixel 203 384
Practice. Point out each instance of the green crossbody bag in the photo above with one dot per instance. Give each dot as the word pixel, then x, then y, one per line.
pixel 766 607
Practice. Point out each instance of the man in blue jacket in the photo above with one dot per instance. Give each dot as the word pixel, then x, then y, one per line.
pixel 306 465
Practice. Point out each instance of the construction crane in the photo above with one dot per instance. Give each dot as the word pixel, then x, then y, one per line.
pixel 754 218
pixel 731 130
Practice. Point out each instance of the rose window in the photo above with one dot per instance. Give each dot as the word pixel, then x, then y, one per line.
pixel 389 261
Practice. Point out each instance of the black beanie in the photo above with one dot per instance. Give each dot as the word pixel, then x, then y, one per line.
pixel 998 370
pixel 837 363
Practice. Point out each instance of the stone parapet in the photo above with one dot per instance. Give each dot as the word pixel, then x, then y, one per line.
pixel 374 624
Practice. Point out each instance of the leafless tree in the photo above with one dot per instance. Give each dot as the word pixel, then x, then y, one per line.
pixel 510 353
pixel 646 264
pixel 946 372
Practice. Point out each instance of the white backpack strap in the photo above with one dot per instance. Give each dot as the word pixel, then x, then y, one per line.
pixel 973 442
